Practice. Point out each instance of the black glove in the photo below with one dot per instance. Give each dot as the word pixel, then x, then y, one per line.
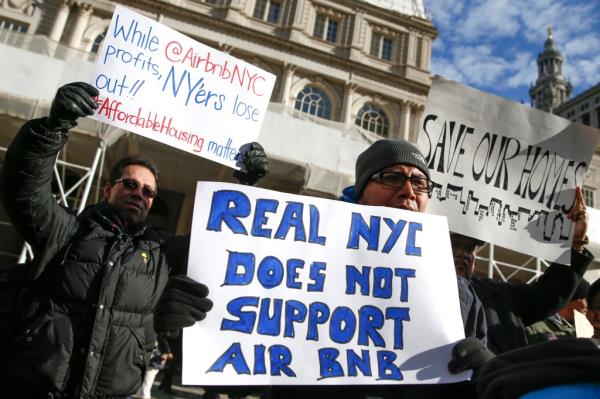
pixel 182 303
pixel 72 101
pixel 256 164
pixel 469 353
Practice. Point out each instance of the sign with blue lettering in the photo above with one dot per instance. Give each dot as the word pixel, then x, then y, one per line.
pixel 504 172
pixel 161 84
pixel 314 291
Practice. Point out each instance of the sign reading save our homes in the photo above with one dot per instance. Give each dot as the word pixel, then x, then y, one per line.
pixel 161 84
pixel 504 172
pixel 314 291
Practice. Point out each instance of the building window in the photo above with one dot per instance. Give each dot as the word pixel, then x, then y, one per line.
pixel 381 46
pixel 419 57
pixel 326 28
pixel 13 26
pixel 314 101
pixel 585 119
pixel 213 2
pixel 588 196
pixel 268 10
pixel 97 42
pixel 372 118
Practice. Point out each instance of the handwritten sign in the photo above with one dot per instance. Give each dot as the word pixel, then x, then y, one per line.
pixel 315 291
pixel 160 84
pixel 505 172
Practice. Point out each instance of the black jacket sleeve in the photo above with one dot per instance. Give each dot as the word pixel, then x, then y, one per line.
pixel 25 189
pixel 552 291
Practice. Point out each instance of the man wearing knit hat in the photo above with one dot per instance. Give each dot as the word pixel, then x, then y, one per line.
pixel 383 171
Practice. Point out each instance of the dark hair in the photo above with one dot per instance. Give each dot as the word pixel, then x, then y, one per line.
pixel 593 290
pixel 117 170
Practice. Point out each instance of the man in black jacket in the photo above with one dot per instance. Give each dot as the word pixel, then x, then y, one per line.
pixel 509 307
pixel 101 282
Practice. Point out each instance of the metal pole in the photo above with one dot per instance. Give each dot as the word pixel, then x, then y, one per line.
pixel 88 184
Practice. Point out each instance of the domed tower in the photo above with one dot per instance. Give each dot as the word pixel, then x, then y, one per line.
pixel 551 88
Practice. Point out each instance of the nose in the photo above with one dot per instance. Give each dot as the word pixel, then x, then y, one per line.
pixel 406 190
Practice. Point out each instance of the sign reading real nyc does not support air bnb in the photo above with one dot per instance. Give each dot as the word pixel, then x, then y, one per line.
pixel 504 172
pixel 314 291
pixel 161 84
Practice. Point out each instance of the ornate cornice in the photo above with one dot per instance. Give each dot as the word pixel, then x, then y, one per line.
pixel 281 44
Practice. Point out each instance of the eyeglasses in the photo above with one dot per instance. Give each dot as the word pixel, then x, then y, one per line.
pixel 397 180
pixel 132 184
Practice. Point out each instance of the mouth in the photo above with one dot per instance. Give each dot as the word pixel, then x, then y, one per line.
pixel 135 206
pixel 461 266
pixel 406 206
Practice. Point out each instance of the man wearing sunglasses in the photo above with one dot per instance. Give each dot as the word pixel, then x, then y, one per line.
pixel 101 282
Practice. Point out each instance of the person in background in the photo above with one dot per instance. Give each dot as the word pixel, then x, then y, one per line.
pixel 562 323
pixel 161 355
pixel 593 303
pixel 509 307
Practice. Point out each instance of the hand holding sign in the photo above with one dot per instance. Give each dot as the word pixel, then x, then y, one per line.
pixel 72 101
pixel 256 165
pixel 579 216
pixel 182 303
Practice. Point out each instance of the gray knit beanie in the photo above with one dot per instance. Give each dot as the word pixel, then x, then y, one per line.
pixel 383 154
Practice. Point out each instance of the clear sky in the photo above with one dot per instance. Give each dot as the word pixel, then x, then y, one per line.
pixel 492 45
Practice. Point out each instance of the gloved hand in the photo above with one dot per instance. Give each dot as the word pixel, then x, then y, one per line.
pixel 72 101
pixel 256 163
pixel 469 353
pixel 182 303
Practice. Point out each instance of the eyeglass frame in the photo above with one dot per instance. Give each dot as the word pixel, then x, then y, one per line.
pixel 147 191
pixel 378 177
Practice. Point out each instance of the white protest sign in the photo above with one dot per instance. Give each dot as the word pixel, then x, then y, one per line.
pixel 314 291
pixel 505 172
pixel 161 84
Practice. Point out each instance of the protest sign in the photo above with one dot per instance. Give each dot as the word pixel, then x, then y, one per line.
pixel 161 84
pixel 505 173
pixel 314 291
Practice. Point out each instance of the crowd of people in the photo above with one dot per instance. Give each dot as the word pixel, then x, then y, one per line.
pixel 104 287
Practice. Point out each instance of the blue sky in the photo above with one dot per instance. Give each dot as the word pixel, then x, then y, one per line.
pixel 492 45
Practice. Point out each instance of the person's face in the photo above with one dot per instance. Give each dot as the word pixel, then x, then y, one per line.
pixel 463 251
pixel 133 204
pixel 579 305
pixel 593 314
pixel 376 193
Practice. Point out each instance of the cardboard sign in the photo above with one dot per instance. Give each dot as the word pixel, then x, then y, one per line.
pixel 160 84
pixel 505 173
pixel 315 291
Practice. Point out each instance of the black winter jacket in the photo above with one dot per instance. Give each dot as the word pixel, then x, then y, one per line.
pixel 86 328
pixel 510 307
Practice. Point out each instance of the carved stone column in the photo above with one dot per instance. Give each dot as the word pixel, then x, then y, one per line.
pixel 60 20
pixel 349 91
pixel 405 122
pixel 84 11
pixel 288 77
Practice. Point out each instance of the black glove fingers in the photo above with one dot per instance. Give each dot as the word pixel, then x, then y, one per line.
pixel 91 90
pixel 83 99
pixel 186 284
pixel 69 106
pixel 179 297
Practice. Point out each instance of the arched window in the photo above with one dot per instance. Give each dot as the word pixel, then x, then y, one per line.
pixel 372 118
pixel 314 101
pixel 98 42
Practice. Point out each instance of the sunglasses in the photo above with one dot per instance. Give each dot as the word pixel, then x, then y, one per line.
pixel 397 180
pixel 132 184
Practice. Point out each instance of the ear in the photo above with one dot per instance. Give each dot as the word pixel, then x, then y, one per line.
pixel 107 190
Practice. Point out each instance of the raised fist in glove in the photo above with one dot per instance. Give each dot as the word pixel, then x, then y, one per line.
pixel 182 303
pixel 469 354
pixel 72 101
pixel 255 162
